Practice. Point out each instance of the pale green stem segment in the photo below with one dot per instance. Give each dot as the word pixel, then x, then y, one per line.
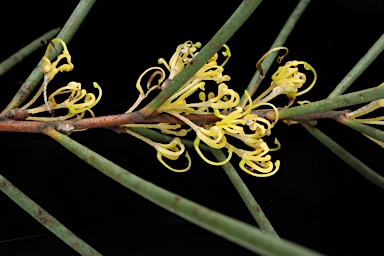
pixel 66 34
pixel 336 102
pixel 26 51
pixel 45 218
pixel 347 157
pixel 359 68
pixel 246 195
pixel 236 231
pixel 363 128
pixel 279 41
pixel 237 19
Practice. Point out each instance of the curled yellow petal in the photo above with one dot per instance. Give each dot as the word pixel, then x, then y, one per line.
pixel 172 151
pixel 160 80
pixel 51 69
pixel 223 90
pixel 258 64
pixel 270 166
pixel 308 67
pixel 160 158
pixel 89 102
pixel 277 142
pixel 252 140
pixel 214 137
pixel 226 53
pixel 196 144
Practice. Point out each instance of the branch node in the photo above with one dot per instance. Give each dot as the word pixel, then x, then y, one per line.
pixel 64 128
pixel 17 114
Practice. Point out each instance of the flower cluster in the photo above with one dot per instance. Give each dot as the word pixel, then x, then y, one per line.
pixel 234 121
pixel 73 89
pixel 288 80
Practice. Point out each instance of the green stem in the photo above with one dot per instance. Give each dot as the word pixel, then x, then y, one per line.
pixel 279 41
pixel 66 34
pixel 45 218
pixel 359 68
pixel 345 100
pixel 26 51
pixel 246 195
pixel 214 45
pixel 347 157
pixel 236 231
pixel 363 128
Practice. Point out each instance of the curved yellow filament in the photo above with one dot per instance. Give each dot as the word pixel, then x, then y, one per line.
pixel 160 158
pixel 90 101
pixel 226 53
pixel 196 144
pixel 308 67
pixel 140 88
pixel 279 59
pixel 270 166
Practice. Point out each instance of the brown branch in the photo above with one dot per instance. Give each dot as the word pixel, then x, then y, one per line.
pixel 13 122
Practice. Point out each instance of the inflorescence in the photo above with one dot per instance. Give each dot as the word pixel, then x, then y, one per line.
pixel 235 121
pixel 78 101
pixel 239 123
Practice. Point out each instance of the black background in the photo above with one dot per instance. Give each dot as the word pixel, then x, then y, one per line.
pixel 315 199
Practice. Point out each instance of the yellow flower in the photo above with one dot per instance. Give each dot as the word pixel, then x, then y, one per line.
pixel 89 101
pixel 150 88
pixel 288 80
pixel 212 71
pixel 183 54
pixel 231 122
pixel 50 69
pixel 177 103
pixel 76 94
pixel 214 137
pixel 257 160
pixel 172 151
pixel 196 145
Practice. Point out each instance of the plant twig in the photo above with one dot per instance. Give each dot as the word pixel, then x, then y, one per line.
pixel 246 195
pixel 214 45
pixel 45 219
pixel 313 117
pixel 25 51
pixel 359 68
pixel 336 102
pixel 66 34
pixel 113 121
pixel 8 125
pixel 236 231
pixel 347 157
pixel 363 128
pixel 279 41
